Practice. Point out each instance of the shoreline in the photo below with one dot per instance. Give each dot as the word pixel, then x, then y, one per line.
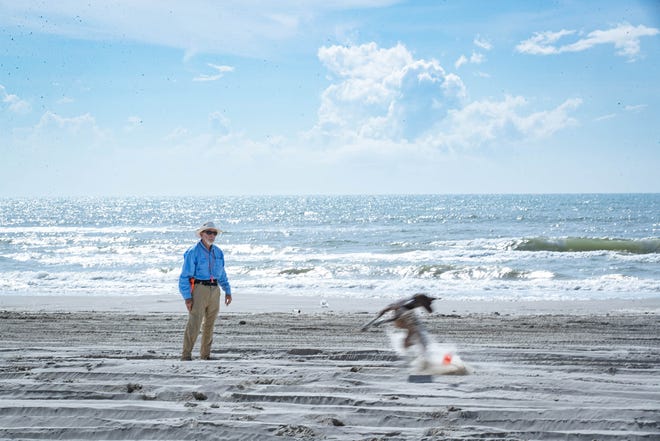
pixel 307 304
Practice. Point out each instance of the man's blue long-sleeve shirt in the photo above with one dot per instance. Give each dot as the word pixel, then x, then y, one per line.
pixel 203 264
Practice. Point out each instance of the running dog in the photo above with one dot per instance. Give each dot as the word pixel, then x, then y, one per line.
pixel 404 317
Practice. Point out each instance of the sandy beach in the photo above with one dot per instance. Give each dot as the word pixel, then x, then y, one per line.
pixel 91 369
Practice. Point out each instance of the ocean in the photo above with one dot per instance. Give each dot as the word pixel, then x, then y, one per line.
pixel 500 247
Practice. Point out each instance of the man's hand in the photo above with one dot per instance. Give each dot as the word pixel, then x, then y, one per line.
pixel 189 304
pixel 227 299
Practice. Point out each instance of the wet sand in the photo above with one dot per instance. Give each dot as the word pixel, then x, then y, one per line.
pixel 91 375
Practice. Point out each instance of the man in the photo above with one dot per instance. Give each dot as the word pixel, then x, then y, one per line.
pixel 404 317
pixel 203 270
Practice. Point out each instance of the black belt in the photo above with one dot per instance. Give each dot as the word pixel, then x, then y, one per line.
pixel 207 282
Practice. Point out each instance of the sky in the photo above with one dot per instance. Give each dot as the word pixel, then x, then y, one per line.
pixel 242 97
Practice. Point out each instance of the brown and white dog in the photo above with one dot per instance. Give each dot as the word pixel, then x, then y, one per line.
pixel 404 317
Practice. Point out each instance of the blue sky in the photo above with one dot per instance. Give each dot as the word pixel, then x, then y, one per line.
pixel 237 97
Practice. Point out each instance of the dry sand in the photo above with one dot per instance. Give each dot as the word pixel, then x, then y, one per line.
pixel 556 373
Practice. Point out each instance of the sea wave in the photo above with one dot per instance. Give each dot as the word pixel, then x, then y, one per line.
pixel 583 244
pixel 295 271
pixel 452 272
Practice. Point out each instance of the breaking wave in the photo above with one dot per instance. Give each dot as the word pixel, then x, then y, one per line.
pixel 581 244
pixel 481 272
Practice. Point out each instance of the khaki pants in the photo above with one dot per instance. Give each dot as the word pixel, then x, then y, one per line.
pixel 206 305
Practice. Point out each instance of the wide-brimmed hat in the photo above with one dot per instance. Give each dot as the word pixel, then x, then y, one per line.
pixel 207 226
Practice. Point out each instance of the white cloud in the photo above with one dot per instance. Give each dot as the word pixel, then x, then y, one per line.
pixel 386 97
pixel 624 37
pixel 73 125
pixel 475 58
pixel 383 93
pixel 482 43
pixel 245 27
pixel 14 103
pixel 605 117
pixel 77 132
pixel 221 70
pixel 541 43
pixel 492 122
pixel 545 123
pixel 461 61
pixel 636 108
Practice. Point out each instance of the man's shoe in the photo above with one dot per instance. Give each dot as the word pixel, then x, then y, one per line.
pixel 208 357
pixel 186 358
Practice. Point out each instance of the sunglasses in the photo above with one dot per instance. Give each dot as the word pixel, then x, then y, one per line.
pixel 211 233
